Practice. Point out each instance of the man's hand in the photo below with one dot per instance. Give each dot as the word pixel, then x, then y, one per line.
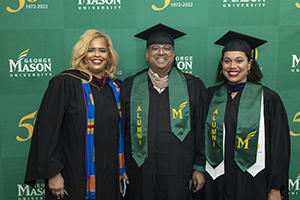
pixel 56 186
pixel 274 195
pixel 198 180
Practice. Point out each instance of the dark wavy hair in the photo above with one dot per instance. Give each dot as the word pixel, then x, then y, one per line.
pixel 254 75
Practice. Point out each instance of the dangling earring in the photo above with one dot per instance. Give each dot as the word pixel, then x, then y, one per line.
pixel 248 72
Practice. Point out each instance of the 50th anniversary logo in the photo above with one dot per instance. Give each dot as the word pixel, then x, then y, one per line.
pixel 172 4
pixel 296 119
pixel 32 4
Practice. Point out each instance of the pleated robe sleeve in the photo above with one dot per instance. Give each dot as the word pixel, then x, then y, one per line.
pixel 125 106
pixel 279 142
pixel 198 90
pixel 44 160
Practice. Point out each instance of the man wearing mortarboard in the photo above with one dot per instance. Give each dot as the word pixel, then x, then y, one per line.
pixel 247 141
pixel 163 119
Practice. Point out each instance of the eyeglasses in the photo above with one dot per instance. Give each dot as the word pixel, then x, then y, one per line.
pixel 157 48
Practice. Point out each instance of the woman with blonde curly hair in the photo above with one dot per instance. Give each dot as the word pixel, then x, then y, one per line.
pixel 81 49
pixel 77 145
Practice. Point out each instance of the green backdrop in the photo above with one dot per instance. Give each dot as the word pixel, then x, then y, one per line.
pixel 37 37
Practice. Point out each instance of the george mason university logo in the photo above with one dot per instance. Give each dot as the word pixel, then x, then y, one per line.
pixel 25 192
pixel 99 4
pixel 30 67
pixel 244 3
pixel 294 186
pixel 185 63
pixel 295 63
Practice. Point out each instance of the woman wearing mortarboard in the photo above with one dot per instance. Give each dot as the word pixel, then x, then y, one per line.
pixel 77 135
pixel 247 142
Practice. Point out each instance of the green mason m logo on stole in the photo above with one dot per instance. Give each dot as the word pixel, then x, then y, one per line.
pixel 178 113
pixel 245 143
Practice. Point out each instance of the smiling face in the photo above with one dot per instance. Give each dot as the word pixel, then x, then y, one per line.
pixel 97 56
pixel 160 57
pixel 235 66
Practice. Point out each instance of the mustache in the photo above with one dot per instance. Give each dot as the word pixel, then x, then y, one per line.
pixel 165 56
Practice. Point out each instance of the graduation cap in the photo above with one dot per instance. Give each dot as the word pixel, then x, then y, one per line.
pixel 234 41
pixel 160 34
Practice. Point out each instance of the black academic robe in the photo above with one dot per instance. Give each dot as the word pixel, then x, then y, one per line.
pixel 167 170
pixel 58 142
pixel 238 185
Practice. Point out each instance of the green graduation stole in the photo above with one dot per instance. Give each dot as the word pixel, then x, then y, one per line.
pixel 139 106
pixel 247 131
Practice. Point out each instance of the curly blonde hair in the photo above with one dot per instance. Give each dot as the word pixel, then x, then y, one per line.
pixel 80 50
